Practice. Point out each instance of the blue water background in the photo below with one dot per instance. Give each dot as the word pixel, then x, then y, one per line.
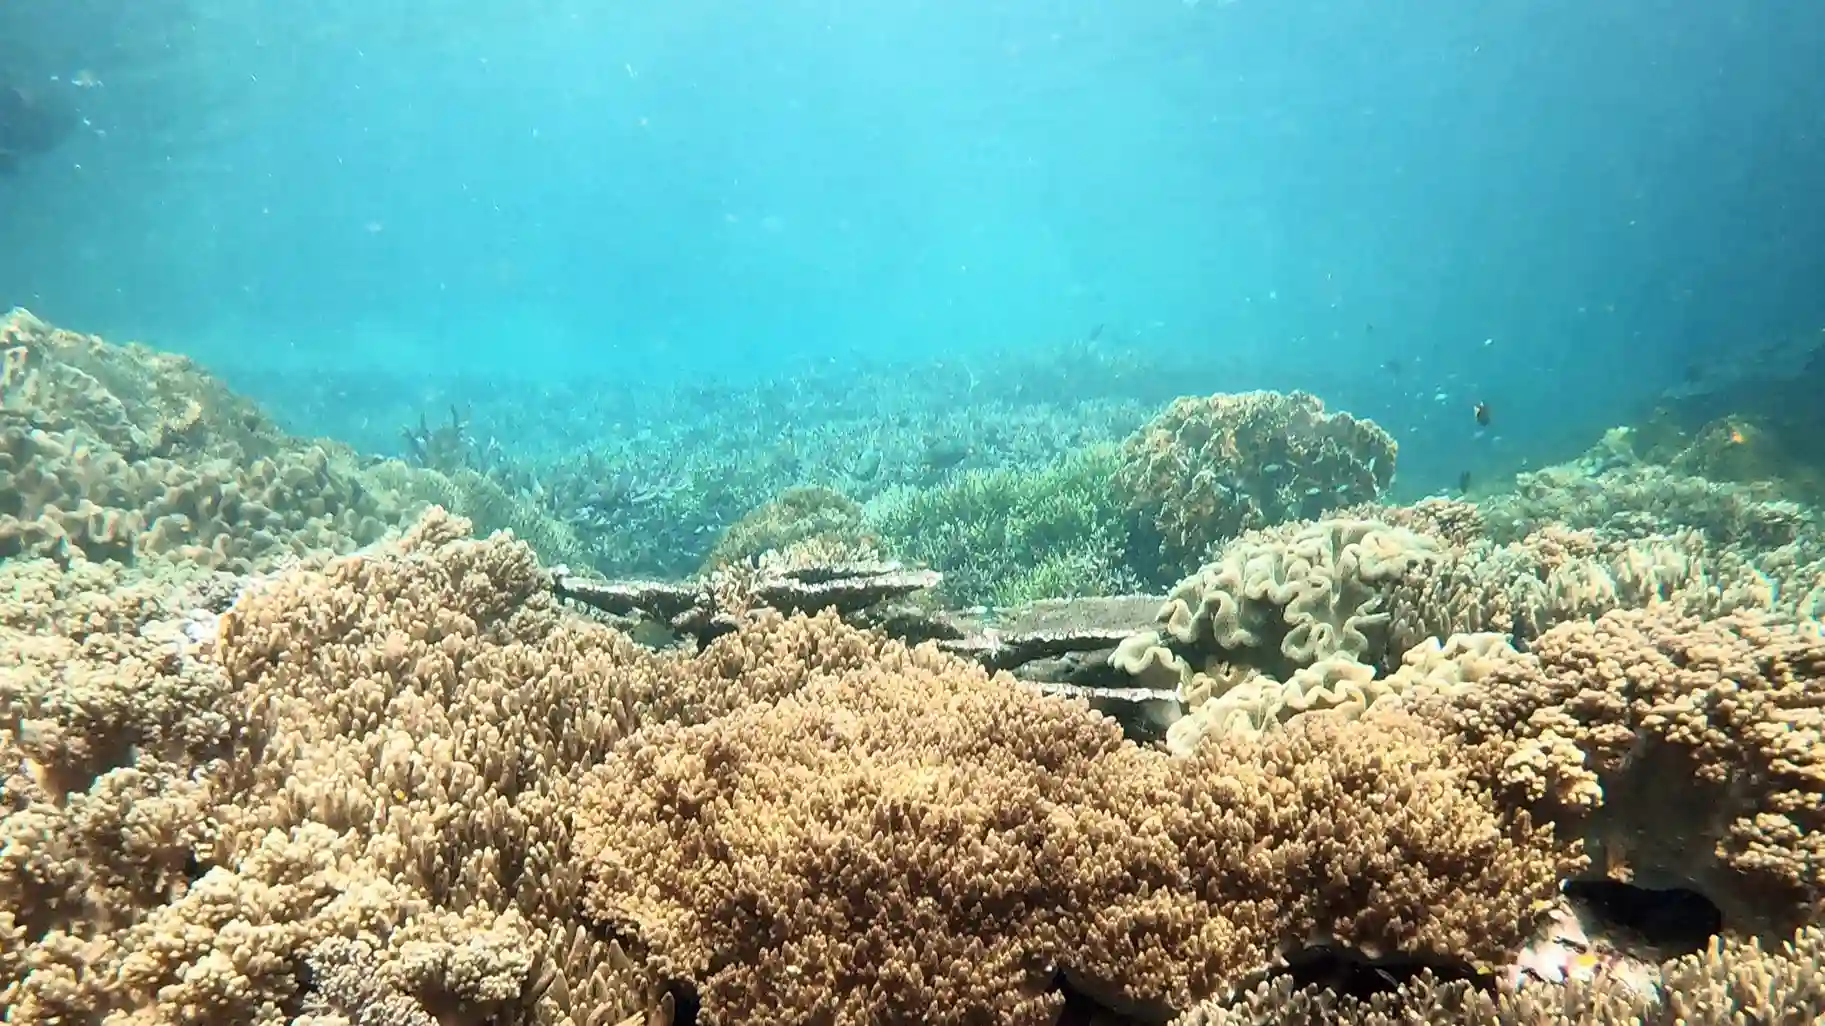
pixel 1554 207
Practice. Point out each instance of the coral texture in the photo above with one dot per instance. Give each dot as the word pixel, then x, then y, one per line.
pixel 1685 752
pixel 1207 469
pixel 378 750
pixel 1278 601
pixel 115 452
pixel 911 840
pixel 1727 984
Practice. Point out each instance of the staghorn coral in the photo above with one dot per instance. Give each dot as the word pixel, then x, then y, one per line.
pixel 1008 536
pixel 910 840
pixel 1208 469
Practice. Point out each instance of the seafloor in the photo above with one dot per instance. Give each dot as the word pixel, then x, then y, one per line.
pixel 283 740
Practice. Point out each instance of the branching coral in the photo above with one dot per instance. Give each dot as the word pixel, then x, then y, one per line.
pixel 407 785
pixel 913 841
pixel 1008 536
pixel 1637 498
pixel 381 749
pixel 1687 752
pixel 1553 575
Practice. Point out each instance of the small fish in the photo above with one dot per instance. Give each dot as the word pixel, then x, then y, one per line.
pixel 1463 483
pixel 1482 414
pixel 1392 367
pixel 1095 333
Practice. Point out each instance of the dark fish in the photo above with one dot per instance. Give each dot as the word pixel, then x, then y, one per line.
pixel 1393 367
pixel 31 125
pixel 1463 482
pixel 1096 333
pixel 1482 414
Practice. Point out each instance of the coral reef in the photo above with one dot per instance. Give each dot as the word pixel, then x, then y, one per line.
pixel 1686 752
pixel 1208 469
pixel 116 452
pixel 317 754
pixel 1010 536
pixel 318 798
pixel 1726 984
pixel 913 841
pixel 796 518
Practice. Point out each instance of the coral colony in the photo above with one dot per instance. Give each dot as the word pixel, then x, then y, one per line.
pixel 1195 727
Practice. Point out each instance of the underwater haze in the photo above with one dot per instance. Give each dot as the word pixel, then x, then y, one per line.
pixel 942 513
pixel 1554 208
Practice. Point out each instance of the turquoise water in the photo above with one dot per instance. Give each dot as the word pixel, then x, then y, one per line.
pixel 1555 208
pixel 1000 329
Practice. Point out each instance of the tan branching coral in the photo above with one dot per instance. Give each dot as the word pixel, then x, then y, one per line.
pixel 1210 468
pixel 1641 498
pixel 381 750
pixel 913 841
pixel 1686 752
pixel 1554 575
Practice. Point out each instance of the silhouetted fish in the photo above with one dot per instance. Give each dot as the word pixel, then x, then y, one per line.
pixel 31 125
pixel 1482 414
pixel 1463 483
